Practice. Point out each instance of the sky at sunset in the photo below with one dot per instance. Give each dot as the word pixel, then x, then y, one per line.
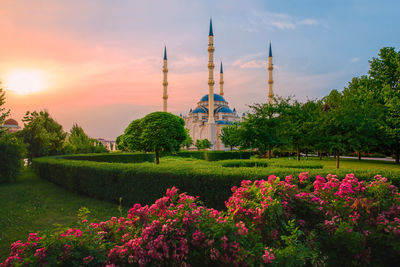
pixel 98 63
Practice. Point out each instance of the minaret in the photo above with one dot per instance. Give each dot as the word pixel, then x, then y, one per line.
pixel 165 81
pixel 212 130
pixel 270 79
pixel 221 81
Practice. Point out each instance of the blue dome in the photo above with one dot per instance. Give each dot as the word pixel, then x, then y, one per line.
pixel 199 110
pixel 224 122
pixel 217 97
pixel 225 110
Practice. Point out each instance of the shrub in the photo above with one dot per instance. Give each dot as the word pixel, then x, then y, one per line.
pixel 221 155
pixel 244 163
pixel 288 222
pixel 11 157
pixel 114 157
pixel 297 164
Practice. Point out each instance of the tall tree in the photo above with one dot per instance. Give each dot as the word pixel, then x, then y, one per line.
pixel 3 113
pixel 385 72
pixel 42 134
pixel 230 136
pixel 260 128
pixel 79 142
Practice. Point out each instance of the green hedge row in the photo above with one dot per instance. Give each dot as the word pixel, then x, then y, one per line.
pixel 244 163
pixel 214 155
pixel 114 157
pixel 146 182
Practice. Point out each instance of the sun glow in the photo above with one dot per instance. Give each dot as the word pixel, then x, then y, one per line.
pixel 25 81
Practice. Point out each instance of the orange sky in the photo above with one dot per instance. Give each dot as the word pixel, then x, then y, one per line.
pixel 101 60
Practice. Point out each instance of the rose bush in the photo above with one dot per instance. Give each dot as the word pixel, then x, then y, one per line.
pixel 288 222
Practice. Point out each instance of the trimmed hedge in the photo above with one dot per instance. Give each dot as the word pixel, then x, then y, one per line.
pixel 244 163
pixel 214 155
pixel 114 157
pixel 146 182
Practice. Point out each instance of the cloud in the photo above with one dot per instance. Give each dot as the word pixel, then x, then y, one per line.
pixel 280 21
pixel 355 59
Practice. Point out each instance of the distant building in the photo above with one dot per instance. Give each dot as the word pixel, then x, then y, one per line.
pixel 201 123
pixel 11 125
pixel 110 145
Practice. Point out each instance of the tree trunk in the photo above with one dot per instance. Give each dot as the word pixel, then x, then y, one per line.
pixel 397 157
pixel 157 156
pixel 298 152
pixel 320 155
pixel 337 160
pixel 231 148
pixel 359 155
pixel 269 152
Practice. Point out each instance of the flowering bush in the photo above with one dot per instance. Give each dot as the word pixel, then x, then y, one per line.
pixel 289 222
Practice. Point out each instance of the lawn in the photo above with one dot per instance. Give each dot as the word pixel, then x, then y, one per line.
pixel 32 204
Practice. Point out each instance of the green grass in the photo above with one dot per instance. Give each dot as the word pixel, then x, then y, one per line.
pixel 32 204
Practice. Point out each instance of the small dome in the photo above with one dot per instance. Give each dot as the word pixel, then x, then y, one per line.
pixel 224 122
pixel 11 122
pixel 217 97
pixel 199 110
pixel 224 110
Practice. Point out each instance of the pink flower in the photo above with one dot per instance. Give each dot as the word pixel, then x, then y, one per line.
pixel 87 259
pixel 268 256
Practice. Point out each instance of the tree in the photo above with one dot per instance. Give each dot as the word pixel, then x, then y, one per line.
pixel 206 144
pixel 260 129
pixel 188 141
pixel 11 157
pixel 203 144
pixel 230 136
pixel 42 134
pixel 385 73
pixel 79 142
pixel 3 114
pixel 131 140
pixel 157 132
pixel 363 114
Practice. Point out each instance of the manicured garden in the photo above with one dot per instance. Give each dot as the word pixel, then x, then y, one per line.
pixel 32 204
pixel 295 220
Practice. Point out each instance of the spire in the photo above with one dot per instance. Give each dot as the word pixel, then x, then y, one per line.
pixel 165 52
pixel 211 29
pixel 270 50
pixel 221 71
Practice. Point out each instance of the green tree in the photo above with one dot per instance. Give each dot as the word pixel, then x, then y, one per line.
pixel 11 157
pixel 364 114
pixel 206 144
pixel 198 144
pixel 157 132
pixel 385 73
pixel 3 113
pixel 230 136
pixel 131 140
pixel 79 142
pixel 260 129
pixel 188 141
pixel 42 134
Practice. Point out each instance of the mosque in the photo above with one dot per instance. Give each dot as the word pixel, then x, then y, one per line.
pixel 201 123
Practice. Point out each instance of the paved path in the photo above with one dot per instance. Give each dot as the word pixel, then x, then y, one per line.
pixel 368 158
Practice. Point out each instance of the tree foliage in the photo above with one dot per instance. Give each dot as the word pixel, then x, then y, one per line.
pixel 156 132
pixel 3 112
pixel 230 136
pixel 42 134
pixel 203 144
pixel 78 142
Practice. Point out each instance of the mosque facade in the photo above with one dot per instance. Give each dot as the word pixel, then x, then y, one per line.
pixel 201 123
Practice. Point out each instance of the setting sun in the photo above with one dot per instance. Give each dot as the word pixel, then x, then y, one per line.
pixel 25 81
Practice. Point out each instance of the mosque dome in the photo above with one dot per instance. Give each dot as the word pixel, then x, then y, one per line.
pixel 11 122
pixel 199 110
pixel 217 97
pixel 224 110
